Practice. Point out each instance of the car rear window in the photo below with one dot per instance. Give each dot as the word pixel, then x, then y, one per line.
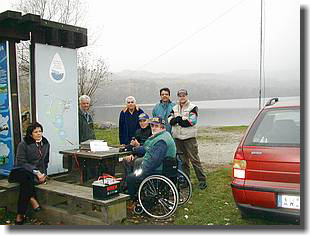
pixel 275 127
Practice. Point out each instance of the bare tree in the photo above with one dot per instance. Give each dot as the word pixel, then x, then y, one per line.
pixel 64 11
pixel 93 73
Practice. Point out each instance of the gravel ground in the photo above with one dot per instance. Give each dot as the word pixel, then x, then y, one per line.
pixel 216 147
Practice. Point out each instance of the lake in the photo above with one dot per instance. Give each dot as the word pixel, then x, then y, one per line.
pixel 211 112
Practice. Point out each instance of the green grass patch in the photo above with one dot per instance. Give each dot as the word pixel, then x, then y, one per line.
pixel 109 135
pixel 240 128
pixel 215 205
pixel 212 138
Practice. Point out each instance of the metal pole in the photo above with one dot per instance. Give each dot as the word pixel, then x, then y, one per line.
pixel 260 63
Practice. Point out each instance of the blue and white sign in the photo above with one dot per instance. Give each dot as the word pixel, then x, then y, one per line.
pixel 56 99
pixel 6 138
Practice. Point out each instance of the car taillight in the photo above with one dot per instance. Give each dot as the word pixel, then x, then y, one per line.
pixel 239 164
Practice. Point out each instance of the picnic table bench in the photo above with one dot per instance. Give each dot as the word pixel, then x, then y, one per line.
pixel 69 204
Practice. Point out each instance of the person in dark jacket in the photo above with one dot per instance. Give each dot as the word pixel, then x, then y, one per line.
pixel 86 125
pixel 31 163
pixel 128 121
pixel 141 135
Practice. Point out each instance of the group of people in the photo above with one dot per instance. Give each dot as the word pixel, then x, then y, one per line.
pixel 171 129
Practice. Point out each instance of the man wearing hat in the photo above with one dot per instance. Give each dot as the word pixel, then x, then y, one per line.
pixel 141 135
pixel 183 119
pixel 158 148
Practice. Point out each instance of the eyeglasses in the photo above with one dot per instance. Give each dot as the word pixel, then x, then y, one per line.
pixel 130 102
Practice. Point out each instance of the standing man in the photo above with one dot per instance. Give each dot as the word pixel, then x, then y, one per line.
pixel 183 119
pixel 86 127
pixel 164 107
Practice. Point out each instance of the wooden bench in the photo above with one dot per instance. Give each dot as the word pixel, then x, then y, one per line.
pixel 69 204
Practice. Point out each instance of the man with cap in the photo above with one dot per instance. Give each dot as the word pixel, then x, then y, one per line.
pixel 183 119
pixel 164 107
pixel 141 135
pixel 158 148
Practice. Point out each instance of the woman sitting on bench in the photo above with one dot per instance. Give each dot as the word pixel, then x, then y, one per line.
pixel 32 158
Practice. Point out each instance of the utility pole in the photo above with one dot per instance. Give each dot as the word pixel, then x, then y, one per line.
pixel 261 58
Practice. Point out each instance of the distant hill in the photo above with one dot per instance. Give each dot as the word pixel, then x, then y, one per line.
pixel 144 86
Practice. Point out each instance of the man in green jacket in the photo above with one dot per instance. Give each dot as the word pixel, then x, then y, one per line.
pixel 86 128
pixel 158 148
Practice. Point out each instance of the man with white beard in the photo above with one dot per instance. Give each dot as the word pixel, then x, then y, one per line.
pixel 158 148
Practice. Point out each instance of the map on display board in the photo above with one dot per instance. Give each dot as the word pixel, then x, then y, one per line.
pixel 56 99
pixel 6 139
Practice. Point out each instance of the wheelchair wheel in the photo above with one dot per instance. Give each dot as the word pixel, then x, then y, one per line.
pixel 138 209
pixel 184 188
pixel 158 196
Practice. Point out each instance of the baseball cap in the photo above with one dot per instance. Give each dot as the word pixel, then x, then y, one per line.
pixel 182 91
pixel 143 116
pixel 157 120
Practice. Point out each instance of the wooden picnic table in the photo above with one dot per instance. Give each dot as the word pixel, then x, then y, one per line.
pixel 85 161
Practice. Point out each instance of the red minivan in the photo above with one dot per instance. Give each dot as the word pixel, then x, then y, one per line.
pixel 266 166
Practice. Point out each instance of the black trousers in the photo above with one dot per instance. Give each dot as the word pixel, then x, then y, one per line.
pixel 133 183
pixel 27 189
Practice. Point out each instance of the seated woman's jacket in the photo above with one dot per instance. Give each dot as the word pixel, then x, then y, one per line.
pixel 32 156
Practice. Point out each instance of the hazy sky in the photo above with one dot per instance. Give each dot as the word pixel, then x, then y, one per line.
pixel 201 35
pixel 193 36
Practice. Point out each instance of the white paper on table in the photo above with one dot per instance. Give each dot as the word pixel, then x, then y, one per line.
pixel 98 146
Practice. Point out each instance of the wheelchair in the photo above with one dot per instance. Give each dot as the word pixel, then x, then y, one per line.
pixel 160 195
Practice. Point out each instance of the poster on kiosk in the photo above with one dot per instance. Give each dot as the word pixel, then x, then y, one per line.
pixel 57 99
pixel 6 135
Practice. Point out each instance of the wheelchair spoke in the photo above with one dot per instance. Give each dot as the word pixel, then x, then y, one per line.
pixel 151 188
pixel 150 191
pixel 166 205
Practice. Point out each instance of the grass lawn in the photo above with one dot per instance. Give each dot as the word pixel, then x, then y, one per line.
pixel 240 128
pixel 212 206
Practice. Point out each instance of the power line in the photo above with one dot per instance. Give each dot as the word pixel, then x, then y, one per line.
pixel 189 36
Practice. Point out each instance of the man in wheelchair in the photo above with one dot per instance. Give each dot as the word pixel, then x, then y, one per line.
pixel 160 149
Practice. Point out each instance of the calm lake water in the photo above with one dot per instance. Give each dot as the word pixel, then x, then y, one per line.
pixel 211 113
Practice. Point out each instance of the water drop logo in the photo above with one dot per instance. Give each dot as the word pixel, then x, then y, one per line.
pixel 57 71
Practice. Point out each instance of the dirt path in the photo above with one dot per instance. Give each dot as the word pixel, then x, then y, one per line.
pixel 216 146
